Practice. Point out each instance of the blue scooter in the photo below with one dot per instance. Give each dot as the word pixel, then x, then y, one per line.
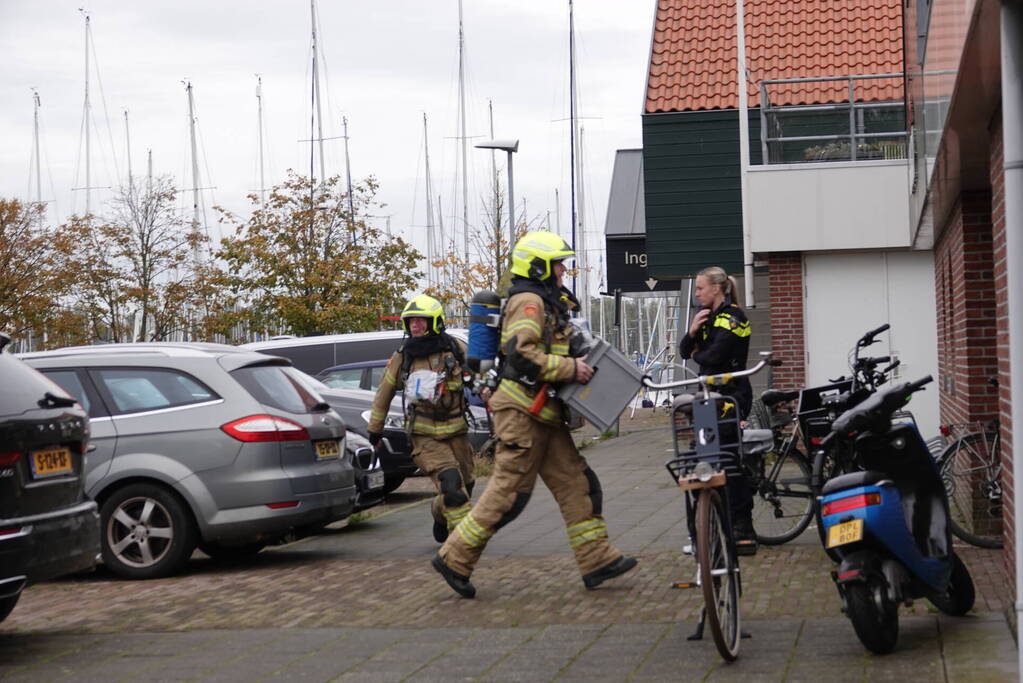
pixel 888 524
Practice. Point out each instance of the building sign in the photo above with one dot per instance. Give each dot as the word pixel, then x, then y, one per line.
pixel 627 267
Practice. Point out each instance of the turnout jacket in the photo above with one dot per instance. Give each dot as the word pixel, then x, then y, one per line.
pixel 440 419
pixel 534 344
pixel 722 345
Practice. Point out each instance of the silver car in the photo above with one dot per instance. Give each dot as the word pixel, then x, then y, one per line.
pixel 201 444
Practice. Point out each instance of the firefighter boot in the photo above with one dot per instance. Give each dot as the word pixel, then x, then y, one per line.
pixel 458 582
pixel 609 571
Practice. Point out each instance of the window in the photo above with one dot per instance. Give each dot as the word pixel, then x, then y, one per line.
pixel 138 389
pixel 376 375
pixel 70 382
pixel 350 378
pixel 278 386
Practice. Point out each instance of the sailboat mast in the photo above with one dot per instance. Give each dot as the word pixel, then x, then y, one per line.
pixel 195 156
pixel 583 255
pixel 35 145
pixel 259 126
pixel 464 138
pixel 571 117
pixel 348 175
pixel 88 119
pixel 431 247
pixel 127 146
pixel 316 92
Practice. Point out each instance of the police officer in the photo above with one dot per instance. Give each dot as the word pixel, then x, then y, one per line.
pixel 718 340
pixel 428 367
pixel 530 426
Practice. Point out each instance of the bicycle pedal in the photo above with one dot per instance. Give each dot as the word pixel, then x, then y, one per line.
pixel 684 584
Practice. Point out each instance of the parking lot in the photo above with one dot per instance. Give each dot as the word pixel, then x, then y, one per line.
pixel 360 602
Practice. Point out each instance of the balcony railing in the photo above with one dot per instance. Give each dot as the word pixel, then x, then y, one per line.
pixel 851 130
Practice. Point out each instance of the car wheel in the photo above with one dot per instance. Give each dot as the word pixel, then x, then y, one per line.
pixel 392 482
pixel 7 605
pixel 147 532
pixel 231 553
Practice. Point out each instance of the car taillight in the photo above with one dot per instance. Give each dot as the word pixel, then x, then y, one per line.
pixel 851 503
pixel 8 458
pixel 265 428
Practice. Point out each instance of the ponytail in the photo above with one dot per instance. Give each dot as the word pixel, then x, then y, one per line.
pixel 717 276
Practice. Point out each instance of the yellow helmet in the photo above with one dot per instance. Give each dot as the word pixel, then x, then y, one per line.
pixel 424 306
pixel 534 253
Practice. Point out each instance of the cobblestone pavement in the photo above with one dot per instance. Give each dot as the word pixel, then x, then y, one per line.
pixel 361 603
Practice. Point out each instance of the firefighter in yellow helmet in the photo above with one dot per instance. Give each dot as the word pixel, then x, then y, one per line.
pixel 530 424
pixel 428 368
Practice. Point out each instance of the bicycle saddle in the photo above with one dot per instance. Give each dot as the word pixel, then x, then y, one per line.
pixel 774 396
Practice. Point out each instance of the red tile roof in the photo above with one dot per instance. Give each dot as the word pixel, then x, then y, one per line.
pixel 693 61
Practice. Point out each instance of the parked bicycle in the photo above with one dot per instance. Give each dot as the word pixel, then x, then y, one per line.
pixel 710 445
pixel 786 481
pixel 971 469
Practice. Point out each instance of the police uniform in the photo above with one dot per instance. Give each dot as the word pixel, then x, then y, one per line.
pixel 437 428
pixel 533 439
pixel 722 345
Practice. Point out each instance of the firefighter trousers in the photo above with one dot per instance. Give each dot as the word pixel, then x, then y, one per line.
pixel 528 448
pixel 449 464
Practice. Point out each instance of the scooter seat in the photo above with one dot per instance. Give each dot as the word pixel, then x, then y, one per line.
pixel 774 396
pixel 852 480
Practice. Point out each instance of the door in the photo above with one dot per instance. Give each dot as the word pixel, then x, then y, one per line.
pixel 848 294
pixel 103 434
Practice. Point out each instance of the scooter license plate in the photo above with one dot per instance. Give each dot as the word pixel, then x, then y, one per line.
pixel 846 532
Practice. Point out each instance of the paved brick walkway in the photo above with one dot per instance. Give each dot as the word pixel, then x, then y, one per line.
pixel 361 603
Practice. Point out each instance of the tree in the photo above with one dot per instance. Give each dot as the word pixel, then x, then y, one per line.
pixel 33 285
pixel 303 264
pixel 138 269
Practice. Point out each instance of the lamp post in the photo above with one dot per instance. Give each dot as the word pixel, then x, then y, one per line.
pixel 509 146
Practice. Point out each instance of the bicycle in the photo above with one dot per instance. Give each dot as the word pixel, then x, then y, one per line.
pixel 783 498
pixel 709 449
pixel 972 464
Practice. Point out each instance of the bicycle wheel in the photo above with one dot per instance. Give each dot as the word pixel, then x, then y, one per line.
pixel 718 573
pixel 965 462
pixel 783 500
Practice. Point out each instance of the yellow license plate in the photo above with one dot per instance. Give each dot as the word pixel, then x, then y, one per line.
pixel 51 462
pixel 325 450
pixel 846 532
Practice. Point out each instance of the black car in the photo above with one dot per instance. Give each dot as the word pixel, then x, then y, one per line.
pixel 48 527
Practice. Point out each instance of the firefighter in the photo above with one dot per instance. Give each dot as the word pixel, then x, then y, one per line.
pixel 718 340
pixel 530 424
pixel 428 368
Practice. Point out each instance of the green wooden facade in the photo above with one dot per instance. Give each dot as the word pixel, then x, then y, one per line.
pixel 692 193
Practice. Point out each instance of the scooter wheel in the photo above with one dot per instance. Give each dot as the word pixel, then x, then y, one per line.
pixel 958 599
pixel 876 626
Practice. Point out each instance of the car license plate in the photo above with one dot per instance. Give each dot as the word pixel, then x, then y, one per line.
pixel 325 450
pixel 375 480
pixel 846 532
pixel 51 462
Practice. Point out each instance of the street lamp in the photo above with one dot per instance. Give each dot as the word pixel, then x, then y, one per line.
pixel 509 146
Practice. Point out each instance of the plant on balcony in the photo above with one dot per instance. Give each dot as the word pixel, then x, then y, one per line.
pixel 839 151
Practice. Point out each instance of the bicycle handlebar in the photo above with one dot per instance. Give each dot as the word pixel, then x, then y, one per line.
pixel 711 380
pixel 868 338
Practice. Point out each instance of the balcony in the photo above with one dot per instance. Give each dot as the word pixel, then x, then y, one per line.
pixel 835 175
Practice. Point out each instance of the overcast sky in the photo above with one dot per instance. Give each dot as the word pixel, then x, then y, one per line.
pixel 386 64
